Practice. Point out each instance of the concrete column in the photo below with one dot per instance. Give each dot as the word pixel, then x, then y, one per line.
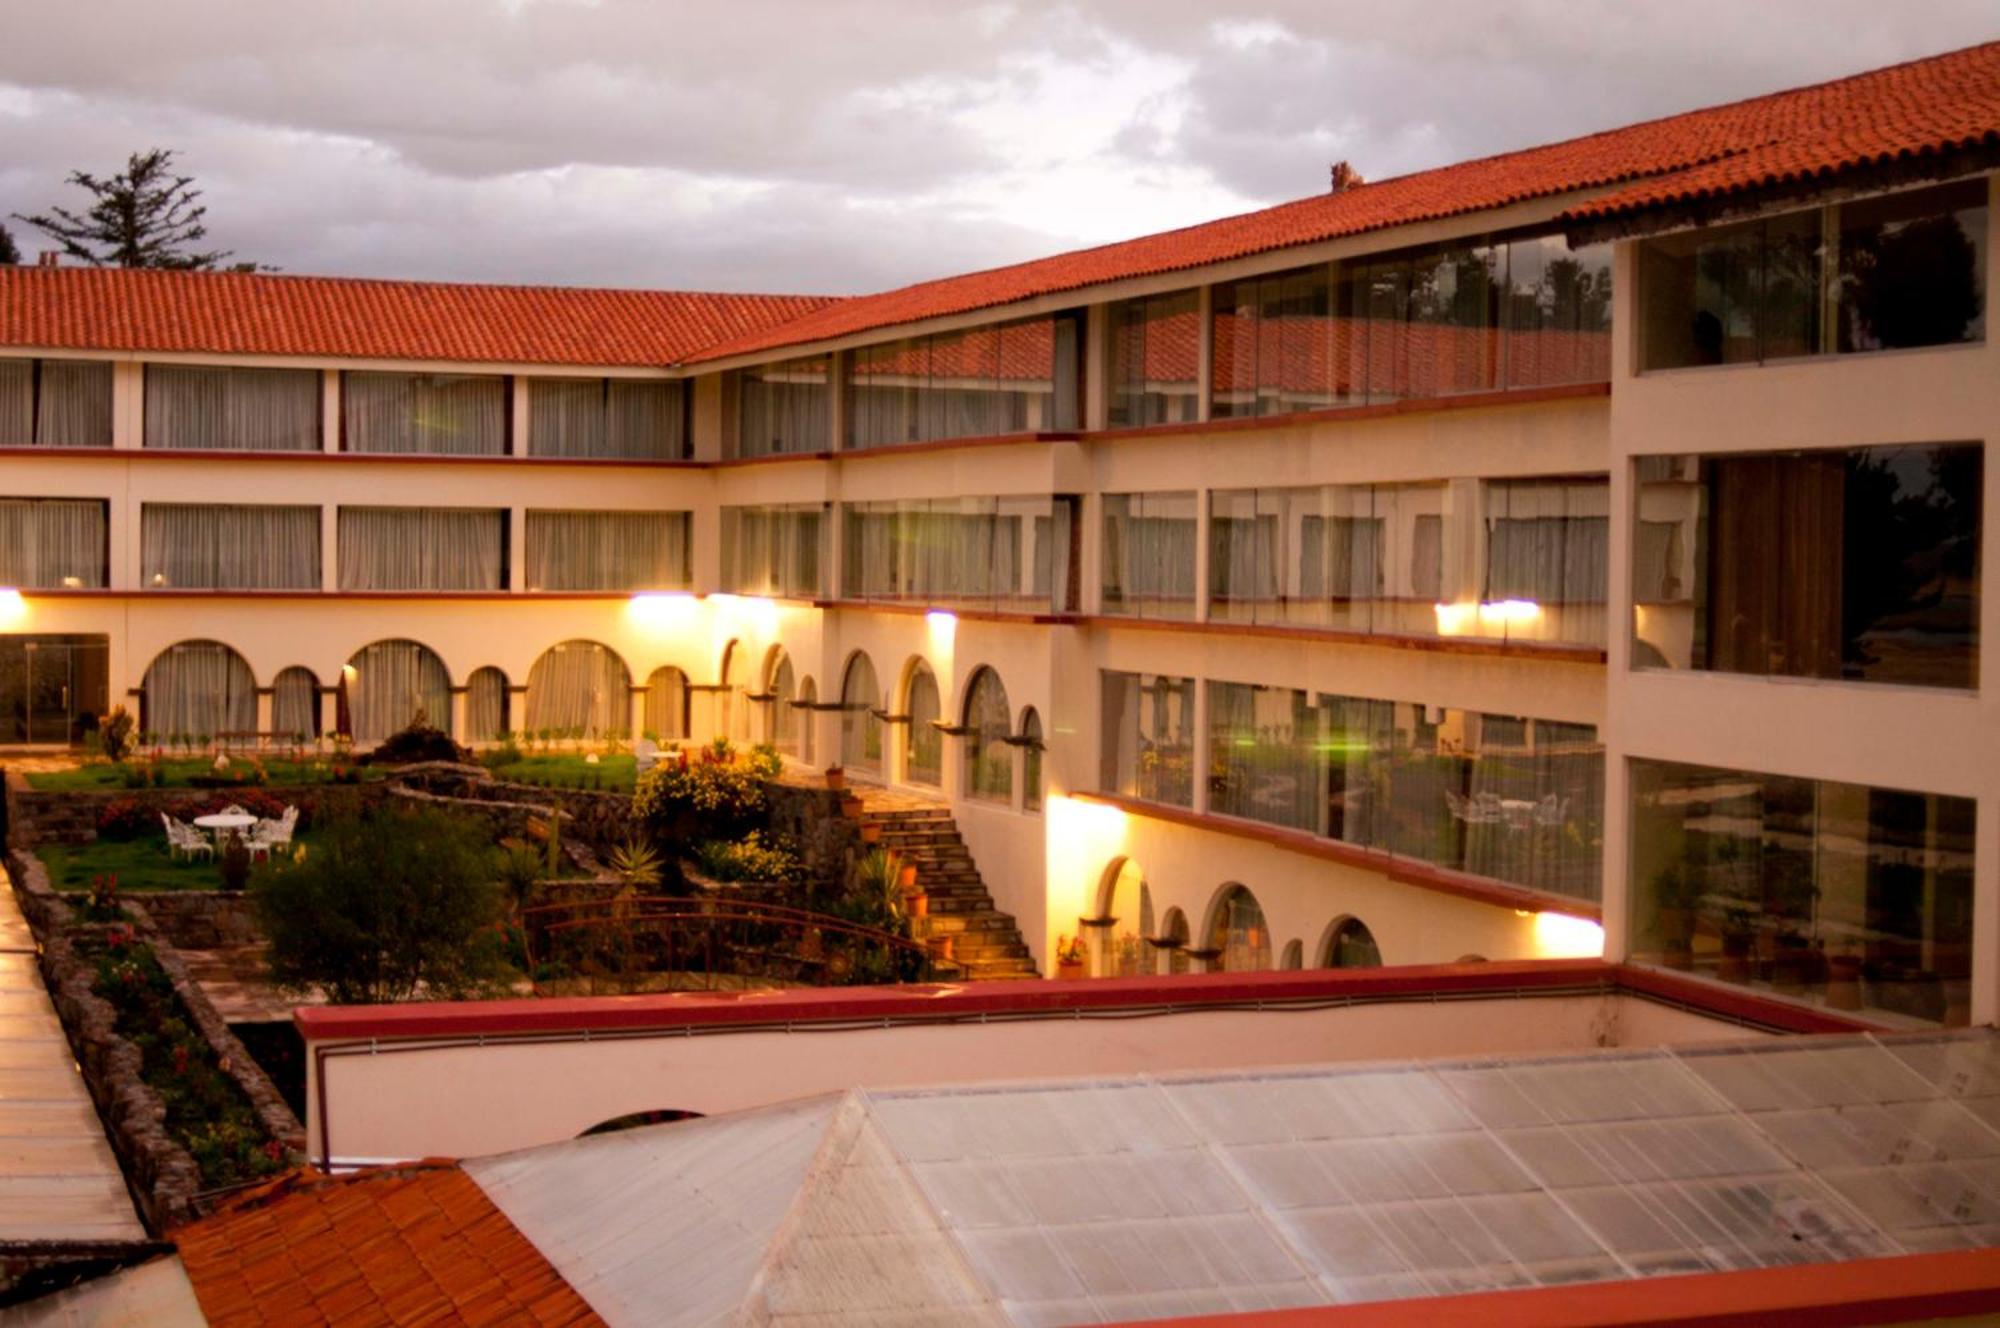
pixel 517 548
pixel 128 405
pixel 1096 363
pixel 329 548
pixel 266 701
pixel 1199 742
pixel 837 385
pixel 1090 556
pixel 1201 555
pixel 1205 353
pixel 329 410
pixel 517 436
pixel 635 713
pixel 460 701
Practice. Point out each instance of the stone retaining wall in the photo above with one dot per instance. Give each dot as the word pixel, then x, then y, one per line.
pixel 36 816
pixel 201 919
pixel 164 1178
pixel 828 843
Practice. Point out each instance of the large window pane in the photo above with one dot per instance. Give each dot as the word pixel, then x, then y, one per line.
pixel 1013 553
pixel 423 548
pixel 198 690
pixel 1002 378
pixel 579 689
pixel 1263 758
pixel 785 407
pixel 775 550
pixel 53 687
pixel 989 759
pixel 1274 345
pixel 1154 371
pixel 1558 312
pixel 1857 898
pixel 239 410
pixel 191 546
pixel 1859 564
pixel 607 551
pixel 1149 554
pixel 52 543
pixel 607 419
pixel 1148 734
pixel 55 403
pixel 1548 548
pixel 389 685
pixel 432 414
pixel 1913 268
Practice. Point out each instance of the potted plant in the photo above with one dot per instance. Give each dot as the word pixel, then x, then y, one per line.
pixel 871 832
pixel 1069 957
pixel 835 776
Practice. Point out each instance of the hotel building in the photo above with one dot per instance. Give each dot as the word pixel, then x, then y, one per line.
pixel 1590 536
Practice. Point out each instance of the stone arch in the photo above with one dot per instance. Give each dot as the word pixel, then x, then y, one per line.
pixel 196 689
pixel 1348 944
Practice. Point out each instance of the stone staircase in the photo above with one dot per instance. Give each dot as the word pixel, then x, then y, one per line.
pixel 986 943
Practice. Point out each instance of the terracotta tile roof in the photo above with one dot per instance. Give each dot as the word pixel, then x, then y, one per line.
pixel 402 1245
pixel 267 314
pixel 1924 107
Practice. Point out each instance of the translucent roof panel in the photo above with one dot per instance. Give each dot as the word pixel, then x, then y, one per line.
pixel 1085 1201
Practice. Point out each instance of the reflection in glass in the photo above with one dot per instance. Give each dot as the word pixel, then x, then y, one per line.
pixel 1001 378
pixel 1031 760
pixel 989 760
pixel 785 407
pixel 1857 898
pixel 1351 945
pixel 924 756
pixel 1240 932
pixel 860 724
pixel 1860 564
pixel 1154 374
pixel 778 550
pixel 1148 728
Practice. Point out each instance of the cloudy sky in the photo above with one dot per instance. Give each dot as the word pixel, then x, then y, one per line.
pixel 845 145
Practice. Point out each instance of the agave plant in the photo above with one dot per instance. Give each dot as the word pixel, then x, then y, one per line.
pixel 877 880
pixel 636 864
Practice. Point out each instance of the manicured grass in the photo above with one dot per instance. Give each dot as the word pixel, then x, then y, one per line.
pixel 613 774
pixel 181 773
pixel 139 865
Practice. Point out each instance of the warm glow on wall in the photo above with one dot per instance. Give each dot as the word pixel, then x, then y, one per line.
pixel 745 615
pixel 663 612
pixel 943 629
pixel 1083 838
pixel 1466 617
pixel 1560 936
pixel 13 608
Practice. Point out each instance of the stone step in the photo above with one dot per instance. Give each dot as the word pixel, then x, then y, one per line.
pixel 965 924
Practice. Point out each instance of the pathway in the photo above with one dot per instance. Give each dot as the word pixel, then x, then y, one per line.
pixel 58 1177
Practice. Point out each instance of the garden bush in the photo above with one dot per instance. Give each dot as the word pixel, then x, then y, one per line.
pixel 399 902
pixel 417 741
pixel 713 796
pixel 751 858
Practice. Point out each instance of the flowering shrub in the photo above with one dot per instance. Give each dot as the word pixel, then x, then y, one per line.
pixel 714 796
pixel 138 818
pixel 748 859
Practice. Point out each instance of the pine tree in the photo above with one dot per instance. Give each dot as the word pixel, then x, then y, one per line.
pixel 145 216
pixel 9 252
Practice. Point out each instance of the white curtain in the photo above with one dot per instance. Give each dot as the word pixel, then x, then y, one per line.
pixel 633 419
pixel 783 734
pixel 579 685
pixel 52 543
pixel 1550 544
pixel 422 548
pixel 199 689
pixel 268 410
pixel 1149 547
pixel 389 683
pixel 926 745
pixel 73 403
pixel 198 546
pixel 988 552
pixel 17 403
pixel 1242 557
pixel 774 550
pixel 437 414
pixel 983 381
pixel 485 705
pixel 666 704
pixel 989 760
pixel 785 407
pixel 295 705
pixel 608 551
pixel 801 715
pixel 860 730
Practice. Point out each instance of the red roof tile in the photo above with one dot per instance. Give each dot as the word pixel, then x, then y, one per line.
pixel 264 314
pixel 416 1244
pixel 1923 107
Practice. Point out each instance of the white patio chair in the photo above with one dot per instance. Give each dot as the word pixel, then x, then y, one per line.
pixel 185 840
pixel 1552 810
pixel 269 836
pixel 646 753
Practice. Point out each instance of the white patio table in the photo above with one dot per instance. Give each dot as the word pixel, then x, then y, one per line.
pixel 221 824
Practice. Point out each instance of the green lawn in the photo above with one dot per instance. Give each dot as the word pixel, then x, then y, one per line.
pixel 109 775
pixel 613 774
pixel 139 865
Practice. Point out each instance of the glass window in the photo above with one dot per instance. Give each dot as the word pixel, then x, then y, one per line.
pixel 295 705
pixel 229 547
pixel 989 758
pixel 1127 901
pixel 1273 344
pixel 53 688
pixel 198 690
pixel 1558 312
pixel 1017 377
pixel 55 403
pixel 1149 548
pixel 1264 762
pixel 1548 550
pixel 666 708
pixel 390 685
pixel 1856 898
pixel 487 717
pixel 775 550
pixel 1239 931
pixel 860 717
pixel 1012 554
pixel 1351 945
pixel 780 688
pixel 53 544
pixel 607 418
pixel 423 548
pixel 785 407
pixel 428 414
pixel 248 410
pixel 1154 373
pixel 1904 269
pixel 1148 728
pixel 1860 564
pixel 579 689
pixel 923 761
pixel 598 550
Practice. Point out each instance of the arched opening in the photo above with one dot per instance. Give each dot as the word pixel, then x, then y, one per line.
pixel 1294 955
pixel 802 720
pixel 1031 760
pixel 1236 927
pixel 728 711
pixel 388 684
pixel 780 684
pixel 486 717
pixel 1349 944
pixel 860 724
pixel 1123 895
pixel 295 705
pixel 923 749
pixel 197 689
pixel 579 689
pixel 665 713
pixel 1174 928
pixel 989 758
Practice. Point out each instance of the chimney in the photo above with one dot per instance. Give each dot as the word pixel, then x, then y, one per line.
pixel 1343 178
pixel 49 258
